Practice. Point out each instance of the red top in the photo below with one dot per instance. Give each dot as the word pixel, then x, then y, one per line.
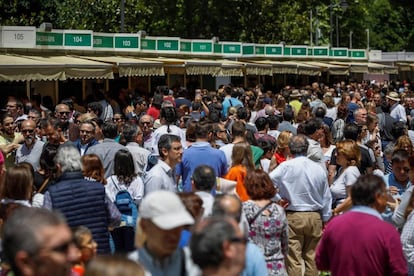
pixel 153 112
pixel 280 157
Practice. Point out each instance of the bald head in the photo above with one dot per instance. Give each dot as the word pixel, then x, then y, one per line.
pixel 227 205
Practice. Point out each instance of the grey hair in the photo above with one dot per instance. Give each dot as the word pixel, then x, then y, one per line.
pixel 20 232
pixel 298 145
pixel 206 242
pixel 130 132
pixel 69 159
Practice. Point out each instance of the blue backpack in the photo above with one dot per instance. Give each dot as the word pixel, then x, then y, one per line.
pixel 127 207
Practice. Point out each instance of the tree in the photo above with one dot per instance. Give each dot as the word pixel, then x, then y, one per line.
pixel 256 21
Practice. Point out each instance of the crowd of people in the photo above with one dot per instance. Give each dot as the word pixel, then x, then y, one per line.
pixel 301 181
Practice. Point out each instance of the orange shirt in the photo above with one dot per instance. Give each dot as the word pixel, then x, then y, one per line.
pixel 238 173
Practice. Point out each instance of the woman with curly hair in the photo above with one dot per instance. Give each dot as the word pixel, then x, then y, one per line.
pixel 268 225
pixel 348 156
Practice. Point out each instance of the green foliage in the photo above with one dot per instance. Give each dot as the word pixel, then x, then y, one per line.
pixel 257 21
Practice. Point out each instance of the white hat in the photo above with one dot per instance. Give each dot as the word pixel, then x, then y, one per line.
pixel 165 209
pixel 156 124
pixel 393 96
pixel 295 93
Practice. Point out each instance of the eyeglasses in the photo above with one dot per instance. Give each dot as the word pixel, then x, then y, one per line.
pixel 63 248
pixel 64 113
pixel 85 131
pixel 242 240
pixel 377 148
pixel 145 123
pixel 30 131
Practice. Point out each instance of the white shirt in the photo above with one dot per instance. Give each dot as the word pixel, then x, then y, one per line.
pixel 398 112
pixel 160 177
pixel 304 184
pixel 135 188
pixel 228 150
pixel 347 178
pixel 175 130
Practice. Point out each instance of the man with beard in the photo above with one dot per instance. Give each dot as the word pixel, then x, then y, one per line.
pixel 31 149
pixel 38 242
pixel 87 137
pixel 69 130
pixel 9 140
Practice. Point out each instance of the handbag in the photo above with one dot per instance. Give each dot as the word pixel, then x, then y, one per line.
pixel 259 212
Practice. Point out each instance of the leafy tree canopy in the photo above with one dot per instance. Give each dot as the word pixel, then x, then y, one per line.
pixel 388 22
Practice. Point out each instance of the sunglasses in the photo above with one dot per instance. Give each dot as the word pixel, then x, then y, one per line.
pixel 242 240
pixel 30 131
pixel 63 248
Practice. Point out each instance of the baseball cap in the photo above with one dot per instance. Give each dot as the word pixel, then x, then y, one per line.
pixel 165 209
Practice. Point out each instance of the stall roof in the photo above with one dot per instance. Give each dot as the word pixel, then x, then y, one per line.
pixel 333 69
pixel 368 67
pixel 79 68
pixel 130 66
pixel 304 69
pixel 201 66
pixel 20 68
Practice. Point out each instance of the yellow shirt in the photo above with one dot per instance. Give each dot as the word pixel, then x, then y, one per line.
pixel 9 159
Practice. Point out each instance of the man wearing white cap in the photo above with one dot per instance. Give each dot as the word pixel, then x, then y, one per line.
pixel 163 217
pixel 397 110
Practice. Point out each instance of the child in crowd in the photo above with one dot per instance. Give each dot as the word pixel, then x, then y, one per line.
pixel 87 247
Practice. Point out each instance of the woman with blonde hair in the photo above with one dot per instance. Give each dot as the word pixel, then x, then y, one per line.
pixel 242 162
pixel 348 156
pixel 404 143
pixel 282 152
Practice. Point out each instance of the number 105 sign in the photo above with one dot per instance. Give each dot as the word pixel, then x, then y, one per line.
pixel 17 37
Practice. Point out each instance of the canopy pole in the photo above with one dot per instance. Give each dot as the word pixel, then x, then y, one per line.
pixel 185 80
pixel 28 89
pixel 149 84
pixel 129 82
pixel 83 89
pixel 56 92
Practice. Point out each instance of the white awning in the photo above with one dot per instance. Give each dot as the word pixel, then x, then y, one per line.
pixel 20 68
pixel 368 67
pixel 79 68
pixel 129 66
pixel 333 69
